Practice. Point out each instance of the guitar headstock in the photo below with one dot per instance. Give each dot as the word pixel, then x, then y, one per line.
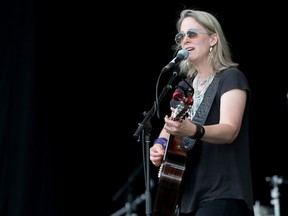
pixel 181 111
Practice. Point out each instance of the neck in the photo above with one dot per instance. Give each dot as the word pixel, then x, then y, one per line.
pixel 203 83
pixel 203 77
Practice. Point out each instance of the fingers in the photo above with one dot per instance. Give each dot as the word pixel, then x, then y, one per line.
pixel 156 151
pixel 157 161
pixel 156 154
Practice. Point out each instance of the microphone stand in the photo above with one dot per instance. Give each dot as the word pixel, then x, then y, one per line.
pixel 145 128
pixel 127 183
pixel 129 206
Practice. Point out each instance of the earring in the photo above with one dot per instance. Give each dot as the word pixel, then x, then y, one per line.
pixel 210 50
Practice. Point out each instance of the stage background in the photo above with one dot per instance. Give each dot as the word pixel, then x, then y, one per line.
pixel 76 78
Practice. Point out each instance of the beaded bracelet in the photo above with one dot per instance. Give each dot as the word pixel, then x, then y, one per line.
pixel 200 131
pixel 162 141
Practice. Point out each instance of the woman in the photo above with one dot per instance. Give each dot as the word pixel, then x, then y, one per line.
pixel 217 178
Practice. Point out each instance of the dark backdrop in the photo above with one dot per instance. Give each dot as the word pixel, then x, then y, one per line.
pixel 76 78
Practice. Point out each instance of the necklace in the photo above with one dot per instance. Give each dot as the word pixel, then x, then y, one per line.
pixel 201 83
pixel 200 88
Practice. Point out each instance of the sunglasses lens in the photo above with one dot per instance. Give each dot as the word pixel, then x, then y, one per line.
pixel 179 37
pixel 191 33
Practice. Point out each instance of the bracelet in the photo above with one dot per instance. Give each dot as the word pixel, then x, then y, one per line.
pixel 162 141
pixel 200 131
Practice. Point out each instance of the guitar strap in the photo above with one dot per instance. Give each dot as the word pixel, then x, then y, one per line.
pixel 203 110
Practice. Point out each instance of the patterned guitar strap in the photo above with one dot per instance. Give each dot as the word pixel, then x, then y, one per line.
pixel 203 110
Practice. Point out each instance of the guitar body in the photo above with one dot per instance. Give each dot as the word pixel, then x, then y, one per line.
pixel 173 166
pixel 170 178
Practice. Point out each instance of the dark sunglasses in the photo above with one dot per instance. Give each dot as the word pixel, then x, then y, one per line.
pixel 191 33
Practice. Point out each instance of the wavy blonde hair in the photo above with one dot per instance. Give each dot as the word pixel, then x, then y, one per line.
pixel 220 55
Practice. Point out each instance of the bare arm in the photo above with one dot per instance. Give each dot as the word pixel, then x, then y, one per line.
pixel 231 114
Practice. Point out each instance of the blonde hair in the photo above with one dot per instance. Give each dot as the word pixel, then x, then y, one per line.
pixel 220 55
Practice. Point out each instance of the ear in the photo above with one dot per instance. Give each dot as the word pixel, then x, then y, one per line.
pixel 213 39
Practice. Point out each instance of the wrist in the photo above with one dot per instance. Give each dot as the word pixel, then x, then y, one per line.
pixel 199 133
pixel 162 141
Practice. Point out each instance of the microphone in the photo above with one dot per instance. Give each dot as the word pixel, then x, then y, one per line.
pixel 181 55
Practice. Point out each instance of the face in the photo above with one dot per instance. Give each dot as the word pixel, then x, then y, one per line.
pixel 194 38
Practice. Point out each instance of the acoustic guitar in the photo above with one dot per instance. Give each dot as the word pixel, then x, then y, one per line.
pixel 172 167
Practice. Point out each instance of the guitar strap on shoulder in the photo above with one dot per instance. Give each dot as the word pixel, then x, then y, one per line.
pixel 203 110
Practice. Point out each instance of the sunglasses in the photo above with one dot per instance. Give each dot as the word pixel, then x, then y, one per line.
pixel 191 33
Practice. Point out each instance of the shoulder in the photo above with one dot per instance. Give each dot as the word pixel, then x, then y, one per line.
pixel 233 78
pixel 232 73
